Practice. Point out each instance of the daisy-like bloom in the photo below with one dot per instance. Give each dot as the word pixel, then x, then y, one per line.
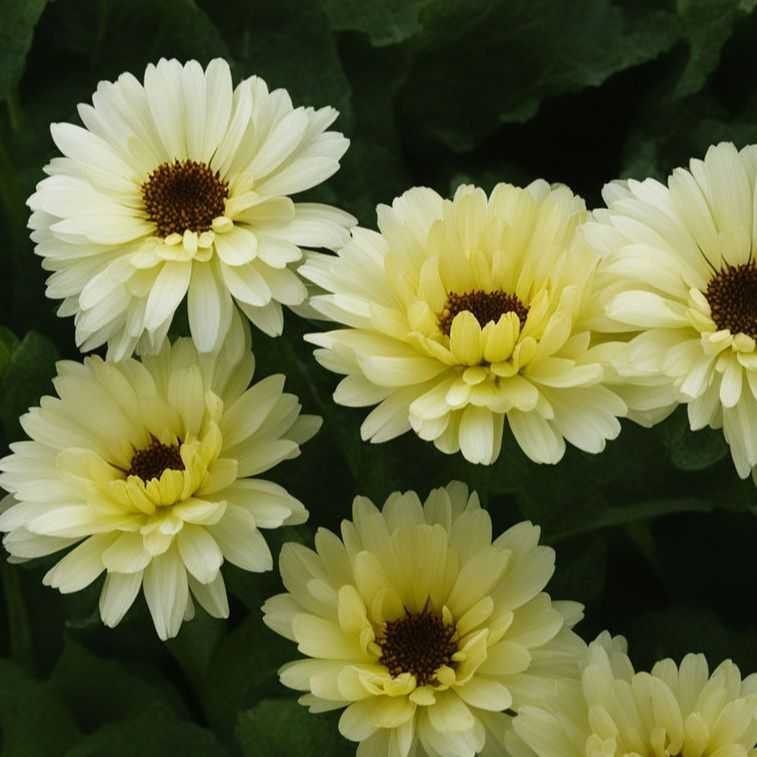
pixel 422 627
pixel 683 259
pixel 179 187
pixel 461 313
pixel 674 711
pixel 147 470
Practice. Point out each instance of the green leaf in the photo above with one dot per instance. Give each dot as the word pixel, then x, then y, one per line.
pixel 483 64
pixel 656 145
pixel 16 32
pixel 34 722
pixel 243 670
pixel 581 568
pixel 99 690
pixel 282 728
pixel 125 35
pixel 386 22
pixel 8 344
pixel 17 615
pixel 153 733
pixel 377 75
pixel 608 517
pixel 27 377
pixel 692 450
pixel 707 25
pixel 195 646
pixel 668 633
pixel 289 43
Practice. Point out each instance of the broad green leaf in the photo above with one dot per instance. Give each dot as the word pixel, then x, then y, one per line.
pixel 16 32
pixel 153 733
pixel 289 43
pixel 128 34
pixel 386 22
pixel 101 690
pixel 483 64
pixel 692 450
pixel 243 670
pixel 608 517
pixel 195 645
pixel 374 169
pixel 707 26
pixel 656 145
pixel 34 721
pixel 580 572
pixel 682 629
pixel 27 377
pixel 281 728
pixel 16 615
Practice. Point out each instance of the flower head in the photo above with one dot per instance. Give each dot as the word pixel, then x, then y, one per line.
pixel 614 711
pixel 177 188
pixel 421 626
pixel 147 469
pixel 683 259
pixel 461 313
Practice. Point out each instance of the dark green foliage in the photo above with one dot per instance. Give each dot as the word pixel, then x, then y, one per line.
pixel 656 535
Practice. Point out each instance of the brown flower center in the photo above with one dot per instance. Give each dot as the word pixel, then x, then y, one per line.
pixel 419 644
pixel 151 461
pixel 485 306
pixel 184 195
pixel 732 296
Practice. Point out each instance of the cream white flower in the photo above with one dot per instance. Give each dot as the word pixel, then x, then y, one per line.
pixel 422 627
pixel 683 261
pixel 148 470
pixel 461 313
pixel 179 187
pixel 680 711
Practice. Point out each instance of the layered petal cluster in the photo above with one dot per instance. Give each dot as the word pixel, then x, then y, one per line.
pixel 614 711
pixel 461 313
pixel 422 626
pixel 148 470
pixel 682 258
pixel 178 188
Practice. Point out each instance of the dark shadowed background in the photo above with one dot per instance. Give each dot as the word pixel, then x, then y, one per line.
pixel 656 536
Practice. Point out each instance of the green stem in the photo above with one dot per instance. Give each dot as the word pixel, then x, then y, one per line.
pixel 19 628
pixel 11 200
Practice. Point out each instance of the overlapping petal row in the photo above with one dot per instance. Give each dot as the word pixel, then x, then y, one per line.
pixel 680 261
pixel 459 314
pixel 149 471
pixel 178 188
pixel 613 711
pixel 423 625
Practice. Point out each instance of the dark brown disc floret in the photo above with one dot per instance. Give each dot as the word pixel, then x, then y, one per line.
pixel 732 296
pixel 418 643
pixel 184 195
pixel 150 462
pixel 485 306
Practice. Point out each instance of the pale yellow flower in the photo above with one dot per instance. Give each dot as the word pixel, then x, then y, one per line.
pixel 148 469
pixel 682 260
pixel 178 188
pixel 423 626
pixel 674 711
pixel 461 314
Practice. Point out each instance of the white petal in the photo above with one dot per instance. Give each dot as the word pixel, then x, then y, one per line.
pixel 118 594
pixel 167 592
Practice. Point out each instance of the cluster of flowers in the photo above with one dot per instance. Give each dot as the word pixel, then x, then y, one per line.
pixel 435 638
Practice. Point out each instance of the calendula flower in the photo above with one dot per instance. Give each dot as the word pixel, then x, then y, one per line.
pixel 683 260
pixel 148 470
pixel 614 711
pixel 179 187
pixel 462 313
pixel 421 626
